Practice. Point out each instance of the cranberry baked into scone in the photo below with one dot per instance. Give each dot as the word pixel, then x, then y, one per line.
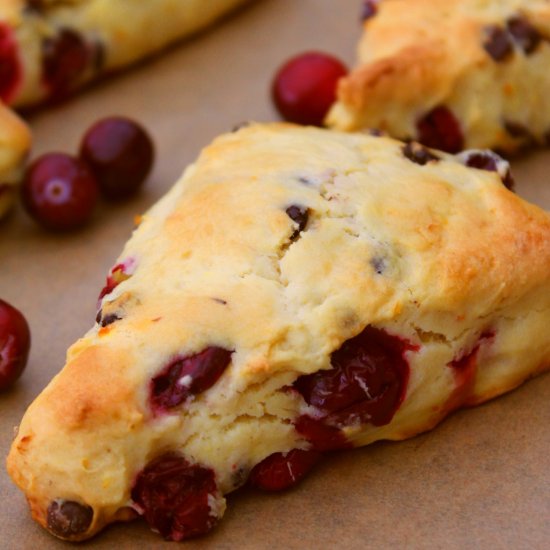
pixel 14 145
pixel 452 74
pixel 48 48
pixel 297 291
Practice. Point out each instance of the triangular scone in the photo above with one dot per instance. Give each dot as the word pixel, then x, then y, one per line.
pixel 48 48
pixel 297 289
pixel 452 74
pixel 14 144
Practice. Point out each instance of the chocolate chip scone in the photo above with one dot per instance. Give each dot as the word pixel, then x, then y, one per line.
pixel 297 291
pixel 48 48
pixel 14 145
pixel 455 74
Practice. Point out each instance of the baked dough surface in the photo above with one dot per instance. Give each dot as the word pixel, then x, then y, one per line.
pixel 419 55
pixel 439 255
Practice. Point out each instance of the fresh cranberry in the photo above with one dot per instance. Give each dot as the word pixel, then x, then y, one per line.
pixel 176 497
pixel 440 129
pixel 304 88
pixel 418 154
pixel 15 342
pixel 120 153
pixel 367 382
pixel 465 369
pixel 65 59
pixel 117 275
pixel 188 376
pixel 369 9
pixel 10 66
pixel 66 518
pixel 299 215
pixel 59 191
pixel 280 471
pixel 487 160
pixel 497 43
pixel 320 435
pixel 525 35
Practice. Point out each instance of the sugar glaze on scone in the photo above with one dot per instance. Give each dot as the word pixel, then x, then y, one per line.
pixel 296 289
pixel 51 47
pixel 14 145
pixel 452 74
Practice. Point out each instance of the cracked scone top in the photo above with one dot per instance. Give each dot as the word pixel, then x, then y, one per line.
pixel 48 48
pixel 297 291
pixel 452 74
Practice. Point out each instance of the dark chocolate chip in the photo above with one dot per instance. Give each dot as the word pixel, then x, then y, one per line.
pixel 497 42
pixel 106 320
pixel 487 160
pixel 300 215
pixel 378 264
pixel 67 518
pixel 369 9
pixel 418 153
pixel 517 130
pixel 524 34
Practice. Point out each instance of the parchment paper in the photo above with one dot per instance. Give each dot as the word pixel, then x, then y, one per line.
pixel 479 480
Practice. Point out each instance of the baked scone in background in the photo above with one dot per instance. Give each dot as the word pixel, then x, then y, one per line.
pixel 14 146
pixel 48 48
pixel 452 74
pixel 285 258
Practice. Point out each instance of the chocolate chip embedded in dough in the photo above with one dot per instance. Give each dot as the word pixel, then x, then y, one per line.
pixel 66 518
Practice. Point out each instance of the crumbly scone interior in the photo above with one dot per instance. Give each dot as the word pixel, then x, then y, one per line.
pixel 440 255
pixel 418 55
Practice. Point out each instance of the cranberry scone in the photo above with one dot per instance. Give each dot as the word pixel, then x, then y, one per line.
pixel 48 48
pixel 297 291
pixel 455 74
pixel 14 145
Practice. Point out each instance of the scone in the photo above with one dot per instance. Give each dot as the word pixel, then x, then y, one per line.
pixel 297 291
pixel 48 48
pixel 14 145
pixel 452 74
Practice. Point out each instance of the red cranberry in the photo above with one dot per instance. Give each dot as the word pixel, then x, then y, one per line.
pixel 176 497
pixel 66 518
pixel 320 435
pixel 15 342
pixel 418 154
pixel 440 129
pixel 120 153
pixel 10 67
pixel 280 471
pixel 367 382
pixel 188 376
pixel 65 58
pixel 304 88
pixel 118 273
pixel 465 369
pixel 59 191
pixel 526 36
pixel 497 43
pixel 299 215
